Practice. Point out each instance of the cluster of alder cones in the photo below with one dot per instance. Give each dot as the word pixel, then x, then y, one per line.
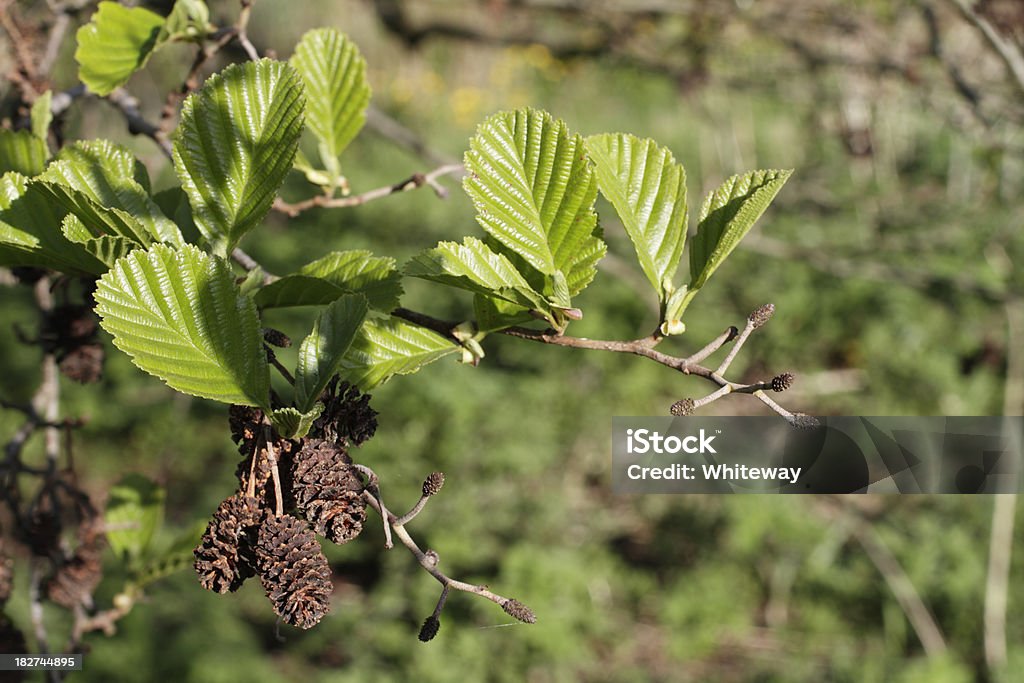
pixel 289 492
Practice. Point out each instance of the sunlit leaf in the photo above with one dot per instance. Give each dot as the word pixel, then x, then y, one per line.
pixel 533 189
pixel 334 275
pixel 384 348
pixel 648 190
pixel 115 43
pixel 337 92
pixel 134 512
pixel 180 316
pixel 235 144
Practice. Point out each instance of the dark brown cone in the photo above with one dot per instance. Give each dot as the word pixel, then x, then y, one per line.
pixel 761 315
pixel 43 529
pixel 327 490
pixel 224 556
pixel 244 422
pixel 276 338
pixel 74 581
pixel 293 570
pixel 347 416
pixel 782 382
pixel 431 625
pixel 84 364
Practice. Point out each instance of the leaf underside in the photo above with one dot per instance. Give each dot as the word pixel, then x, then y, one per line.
pixel 322 351
pixel 334 275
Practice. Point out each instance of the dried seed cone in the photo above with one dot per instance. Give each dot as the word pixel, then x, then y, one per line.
pixel 84 364
pixel 347 416
pixel 431 626
pixel 327 490
pixel 293 570
pixel 75 580
pixel 224 557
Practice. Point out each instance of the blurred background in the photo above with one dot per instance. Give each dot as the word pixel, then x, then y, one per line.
pixel 890 256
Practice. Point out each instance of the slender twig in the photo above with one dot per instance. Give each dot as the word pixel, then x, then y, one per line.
pixel 415 181
pixel 715 344
pixel 429 562
pixel 1000 549
pixel 242 26
pixel 272 460
pixel 372 494
pixel 734 351
pixel 272 358
pixel 901 585
pixel 416 509
pixel 1011 54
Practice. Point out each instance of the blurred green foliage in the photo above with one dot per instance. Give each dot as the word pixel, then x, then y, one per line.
pixel 745 588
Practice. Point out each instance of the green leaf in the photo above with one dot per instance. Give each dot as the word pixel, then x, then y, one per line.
pixel 235 144
pixel 115 43
pixel 134 512
pixel 336 88
pixel 322 351
pixel 188 20
pixel 22 152
pixel 334 275
pixel 583 268
pixel 179 315
pixel 726 217
pixel 106 248
pixel 177 557
pixel 294 424
pixel 42 116
pixel 30 230
pixel 533 189
pixel 384 348
pixel 648 190
pixel 494 314
pixel 105 174
pixel 474 267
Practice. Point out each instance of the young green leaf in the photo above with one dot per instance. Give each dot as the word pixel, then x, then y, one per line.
pixel 180 317
pixel 334 275
pixel 648 190
pixel 104 173
pixel 583 267
pixel 235 144
pixel 42 116
pixel 116 43
pixel 726 217
pixel 294 424
pixel 533 189
pixel 322 351
pixel 384 348
pixel 474 267
pixel 106 248
pixel 22 152
pixel 188 20
pixel 495 314
pixel 337 92
pixel 30 230
pixel 134 512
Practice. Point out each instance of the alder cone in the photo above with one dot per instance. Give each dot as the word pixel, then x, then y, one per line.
pixel 347 416
pixel 327 490
pixel 83 364
pixel 75 580
pixel 224 556
pixel 293 570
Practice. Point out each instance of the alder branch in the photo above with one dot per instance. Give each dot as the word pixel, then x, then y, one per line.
pixel 1007 51
pixel 645 347
pixel 414 182
pixel 429 561
pixel 128 105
